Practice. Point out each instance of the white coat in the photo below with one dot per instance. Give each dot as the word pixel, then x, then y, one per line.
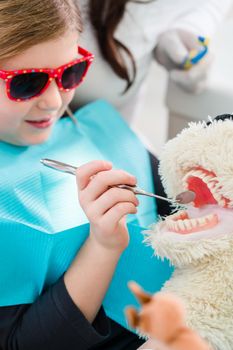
pixel 139 30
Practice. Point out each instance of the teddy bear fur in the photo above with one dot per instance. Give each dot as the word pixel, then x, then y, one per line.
pixel 203 259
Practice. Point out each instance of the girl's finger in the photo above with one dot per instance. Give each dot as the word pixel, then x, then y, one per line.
pixel 105 179
pixel 86 171
pixel 116 213
pixel 108 200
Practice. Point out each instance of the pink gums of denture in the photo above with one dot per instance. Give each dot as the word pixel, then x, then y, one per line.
pixel 202 192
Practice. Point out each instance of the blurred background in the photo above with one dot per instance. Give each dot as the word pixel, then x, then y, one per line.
pixel 167 109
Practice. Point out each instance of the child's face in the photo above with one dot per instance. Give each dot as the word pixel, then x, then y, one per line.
pixel 18 119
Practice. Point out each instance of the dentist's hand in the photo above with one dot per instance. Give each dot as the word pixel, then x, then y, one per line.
pixel 171 51
pixel 105 206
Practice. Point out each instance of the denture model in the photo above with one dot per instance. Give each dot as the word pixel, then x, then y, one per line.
pixel 198 239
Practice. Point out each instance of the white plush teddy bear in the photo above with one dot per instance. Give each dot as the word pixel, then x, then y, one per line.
pixel 199 239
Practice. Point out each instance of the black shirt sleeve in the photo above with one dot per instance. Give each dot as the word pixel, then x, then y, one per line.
pixel 163 207
pixel 53 321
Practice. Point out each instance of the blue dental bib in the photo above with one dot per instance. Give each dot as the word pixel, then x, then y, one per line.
pixel 42 224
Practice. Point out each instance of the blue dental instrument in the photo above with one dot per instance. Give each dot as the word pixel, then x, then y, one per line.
pixel 194 56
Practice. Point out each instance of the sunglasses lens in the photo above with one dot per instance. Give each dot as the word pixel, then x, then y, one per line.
pixel 73 75
pixel 24 86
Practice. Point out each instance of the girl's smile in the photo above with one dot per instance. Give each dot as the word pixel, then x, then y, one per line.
pixel 42 123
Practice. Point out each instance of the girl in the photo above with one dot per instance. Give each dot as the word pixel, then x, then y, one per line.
pixel 58 254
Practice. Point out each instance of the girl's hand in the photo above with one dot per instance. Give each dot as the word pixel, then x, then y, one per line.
pixel 105 206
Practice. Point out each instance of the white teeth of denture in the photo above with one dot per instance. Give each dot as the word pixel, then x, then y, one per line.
pixel 181 225
pixel 176 224
pixel 188 224
pixel 193 222
pixel 222 202
pixel 210 181
pixel 211 185
pixel 201 175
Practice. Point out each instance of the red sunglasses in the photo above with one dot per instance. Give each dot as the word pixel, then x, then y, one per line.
pixel 25 84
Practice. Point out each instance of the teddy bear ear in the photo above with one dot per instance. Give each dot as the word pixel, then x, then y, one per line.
pixel 221 117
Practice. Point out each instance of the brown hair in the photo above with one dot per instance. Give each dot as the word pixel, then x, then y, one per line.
pixel 105 16
pixel 24 23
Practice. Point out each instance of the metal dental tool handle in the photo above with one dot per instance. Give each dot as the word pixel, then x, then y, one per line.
pixel 54 164
pixel 70 169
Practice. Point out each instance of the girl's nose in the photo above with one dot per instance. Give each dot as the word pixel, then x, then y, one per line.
pixel 51 98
